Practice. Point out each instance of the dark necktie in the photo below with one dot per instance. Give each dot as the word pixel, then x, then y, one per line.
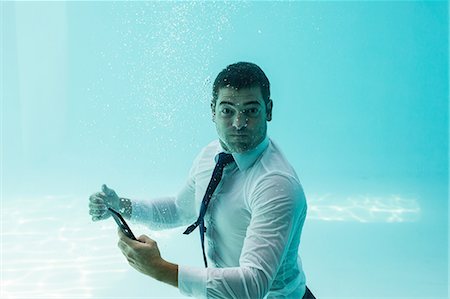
pixel 224 159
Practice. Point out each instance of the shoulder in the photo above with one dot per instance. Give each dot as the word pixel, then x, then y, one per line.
pixel 275 180
pixel 274 163
pixel 279 184
pixel 205 157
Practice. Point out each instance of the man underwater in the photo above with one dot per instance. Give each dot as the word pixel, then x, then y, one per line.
pixel 241 194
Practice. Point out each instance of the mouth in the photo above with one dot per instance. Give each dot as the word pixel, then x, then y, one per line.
pixel 238 135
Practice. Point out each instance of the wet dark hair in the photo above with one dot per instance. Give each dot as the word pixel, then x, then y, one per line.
pixel 242 75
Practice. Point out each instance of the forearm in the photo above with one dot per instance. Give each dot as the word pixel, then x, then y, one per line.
pixel 228 282
pixel 168 273
pixel 161 213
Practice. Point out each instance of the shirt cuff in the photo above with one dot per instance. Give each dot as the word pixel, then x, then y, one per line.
pixel 192 281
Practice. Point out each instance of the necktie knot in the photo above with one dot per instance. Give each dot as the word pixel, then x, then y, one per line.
pixel 225 159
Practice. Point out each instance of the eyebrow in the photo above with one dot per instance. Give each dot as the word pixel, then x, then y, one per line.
pixel 245 104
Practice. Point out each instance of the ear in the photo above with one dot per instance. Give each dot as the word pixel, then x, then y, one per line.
pixel 269 107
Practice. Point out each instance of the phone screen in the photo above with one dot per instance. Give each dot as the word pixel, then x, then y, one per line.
pixel 122 224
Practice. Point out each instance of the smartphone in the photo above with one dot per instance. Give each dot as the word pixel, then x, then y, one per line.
pixel 122 224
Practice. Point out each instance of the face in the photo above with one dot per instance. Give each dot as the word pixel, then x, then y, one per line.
pixel 241 118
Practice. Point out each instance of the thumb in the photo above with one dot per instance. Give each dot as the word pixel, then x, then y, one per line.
pixel 106 190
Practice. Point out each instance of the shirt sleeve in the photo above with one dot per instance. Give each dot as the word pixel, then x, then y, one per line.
pixel 278 207
pixel 168 212
pixel 165 212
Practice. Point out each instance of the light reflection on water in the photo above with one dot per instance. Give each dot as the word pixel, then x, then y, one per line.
pixel 47 253
pixel 51 249
pixel 364 208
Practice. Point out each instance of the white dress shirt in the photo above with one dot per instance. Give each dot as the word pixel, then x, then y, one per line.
pixel 254 222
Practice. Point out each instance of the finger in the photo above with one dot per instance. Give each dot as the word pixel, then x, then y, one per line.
pixel 127 240
pixel 97 218
pixel 100 215
pixel 145 239
pixel 100 195
pixel 123 244
pixel 123 247
pixel 97 198
pixel 98 208
pixel 98 205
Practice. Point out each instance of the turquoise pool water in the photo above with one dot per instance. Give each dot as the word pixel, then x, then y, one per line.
pixel 118 93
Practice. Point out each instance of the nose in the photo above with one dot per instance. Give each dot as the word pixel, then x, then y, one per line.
pixel 240 121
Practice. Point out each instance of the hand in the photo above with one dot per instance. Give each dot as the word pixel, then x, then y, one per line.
pixel 100 201
pixel 143 255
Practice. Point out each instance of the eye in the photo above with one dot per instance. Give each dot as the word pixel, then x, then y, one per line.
pixel 226 111
pixel 252 112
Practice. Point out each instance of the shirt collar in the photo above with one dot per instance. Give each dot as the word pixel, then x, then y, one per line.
pixel 247 159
